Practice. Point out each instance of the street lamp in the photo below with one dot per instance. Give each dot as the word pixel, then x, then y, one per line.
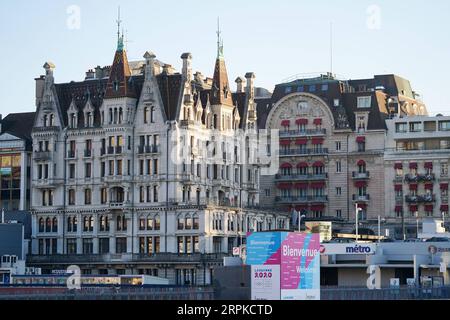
pixel 417 223
pixel 357 211
pixel 300 217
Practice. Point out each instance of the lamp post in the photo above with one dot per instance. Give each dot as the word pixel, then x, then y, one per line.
pixel 357 211
pixel 417 224
pixel 300 217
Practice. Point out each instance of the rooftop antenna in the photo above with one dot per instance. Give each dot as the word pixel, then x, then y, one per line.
pixel 331 48
pixel 127 41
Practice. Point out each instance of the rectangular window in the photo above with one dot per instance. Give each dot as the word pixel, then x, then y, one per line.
pixel 121 245
pixel 149 245
pixel 364 102
pixel 444 125
pixel 401 127
pixel 338 146
pixel 338 167
pixel 111 167
pixel 88 170
pixel 180 241
pixel 415 127
pixel 103 245
pixel 119 167
pixel 102 169
pixel 338 191
pixel 87 196
pixel 339 213
pixel 157 244
pixel 155 166
pixel 104 195
pixel 88 247
pixel 72 171
pixel 71 197
pixel 71 246
pixel 155 194
pixel 141 167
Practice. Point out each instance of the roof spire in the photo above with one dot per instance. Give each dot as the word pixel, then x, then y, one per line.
pixel 219 40
pixel 119 37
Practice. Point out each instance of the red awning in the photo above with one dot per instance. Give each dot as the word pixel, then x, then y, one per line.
pixel 398 165
pixel 413 208
pixel 413 187
pixel 284 186
pixel 318 140
pixel 413 165
pixel 318 185
pixel 398 187
pixel 398 209
pixel 317 207
pixel 360 139
pixel 286 166
pixel 301 207
pixel 301 185
pixel 428 186
pixel 428 165
pixel 317 122
pixel 444 208
pixel 444 186
pixel 429 207
pixel 301 122
pixel 360 184
pixel 301 141
pixel 286 123
pixel 285 142
pixel 361 163
pixel 318 164
pixel 302 165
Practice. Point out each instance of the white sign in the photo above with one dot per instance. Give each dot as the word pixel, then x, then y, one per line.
pixel 411 282
pixel 443 267
pixel 236 251
pixel 265 282
pixel 350 248
pixel 395 283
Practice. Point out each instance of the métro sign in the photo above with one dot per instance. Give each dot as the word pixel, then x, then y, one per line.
pixel 285 265
pixel 351 248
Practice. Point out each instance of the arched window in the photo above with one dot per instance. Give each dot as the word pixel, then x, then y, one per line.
pixel 146 115
pixel 141 223
pixel 180 222
pixel 52 120
pixel 120 115
pixel 104 223
pixel 121 223
pixel 55 225
pixel 41 225
pixel 86 224
pixel 188 222
pixel 195 222
pixel 152 115
pixel 157 223
pixel 48 225
pixel 150 223
pixel 45 120
pixel 91 224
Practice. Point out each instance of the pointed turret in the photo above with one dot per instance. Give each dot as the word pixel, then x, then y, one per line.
pixel 118 83
pixel 220 90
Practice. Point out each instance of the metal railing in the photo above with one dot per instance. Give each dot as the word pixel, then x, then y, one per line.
pixel 301 133
pixel 361 175
pixel 301 177
pixel 299 151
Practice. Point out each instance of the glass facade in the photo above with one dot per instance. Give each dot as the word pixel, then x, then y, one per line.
pixel 10 175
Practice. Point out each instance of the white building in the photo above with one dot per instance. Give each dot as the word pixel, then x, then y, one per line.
pixel 144 170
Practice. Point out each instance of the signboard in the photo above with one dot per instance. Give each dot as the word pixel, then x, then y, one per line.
pixel 348 248
pixel 5 171
pixel 394 283
pixel 298 257
pixel 265 282
pixel 411 282
pixel 236 251
pixel 322 228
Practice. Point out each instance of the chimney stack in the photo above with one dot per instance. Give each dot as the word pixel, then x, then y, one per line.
pixel 240 84
pixel 187 66
pixel 250 76
pixel 149 64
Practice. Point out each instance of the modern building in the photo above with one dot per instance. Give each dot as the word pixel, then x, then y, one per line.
pixel 140 169
pixel 15 160
pixel 416 169
pixel 331 144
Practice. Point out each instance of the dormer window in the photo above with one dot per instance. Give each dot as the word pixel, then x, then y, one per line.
pixel 89 119
pixel 51 122
pixel 45 121
pixel 364 102
pixel 72 120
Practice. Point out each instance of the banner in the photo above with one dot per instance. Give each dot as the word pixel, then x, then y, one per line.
pixel 265 282
pixel 298 257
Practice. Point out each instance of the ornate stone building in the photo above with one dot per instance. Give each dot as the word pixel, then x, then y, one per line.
pixel 139 169
pixel 331 145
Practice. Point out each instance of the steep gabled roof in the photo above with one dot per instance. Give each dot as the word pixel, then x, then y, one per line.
pixel 220 91
pixel 19 125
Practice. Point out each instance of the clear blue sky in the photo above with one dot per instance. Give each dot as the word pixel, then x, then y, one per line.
pixel 274 39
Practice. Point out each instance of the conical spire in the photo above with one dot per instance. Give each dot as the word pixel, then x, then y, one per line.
pixel 220 91
pixel 118 85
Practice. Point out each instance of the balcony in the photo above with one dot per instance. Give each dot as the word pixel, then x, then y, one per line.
pixel 420 199
pixel 398 179
pixel 42 156
pixel 102 151
pixel 249 186
pixel 420 178
pixel 71 154
pixel 185 124
pixel 119 149
pixel 110 150
pixel 303 133
pixel 148 149
pixel 305 199
pixel 444 199
pixel 128 257
pixel 87 153
pixel 398 199
pixel 119 204
pixel 363 198
pixel 304 152
pixel 361 175
pixel 411 178
pixel 300 177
